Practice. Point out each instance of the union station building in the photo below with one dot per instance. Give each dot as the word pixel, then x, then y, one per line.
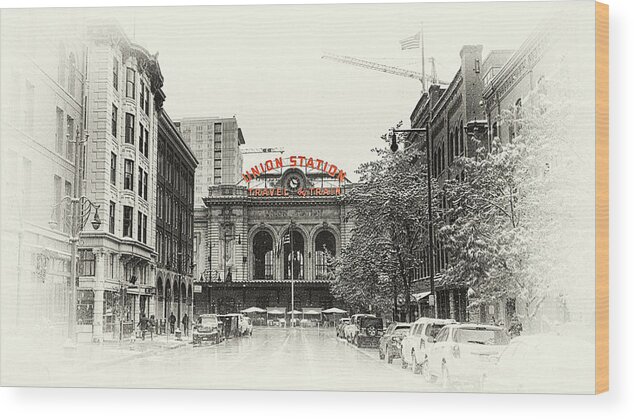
pixel 253 241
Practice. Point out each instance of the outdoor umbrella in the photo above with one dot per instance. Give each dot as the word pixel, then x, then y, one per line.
pixel 334 311
pixel 294 312
pixel 253 309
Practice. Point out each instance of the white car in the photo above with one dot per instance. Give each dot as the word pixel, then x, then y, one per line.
pixel 415 345
pixel 462 353
pixel 543 363
pixel 350 331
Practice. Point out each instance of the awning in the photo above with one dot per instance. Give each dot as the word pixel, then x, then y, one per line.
pixel 420 296
pixel 294 312
pixel 311 313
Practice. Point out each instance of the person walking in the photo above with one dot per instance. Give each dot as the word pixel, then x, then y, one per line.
pixel 515 329
pixel 152 326
pixel 143 323
pixel 172 320
pixel 185 324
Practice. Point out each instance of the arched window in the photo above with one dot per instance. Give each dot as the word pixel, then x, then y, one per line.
pixel 294 261
pixel 71 74
pixel 325 248
pixel 159 288
pixel 263 256
pixel 457 144
pixel 61 65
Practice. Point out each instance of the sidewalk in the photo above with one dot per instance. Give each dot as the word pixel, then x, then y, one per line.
pixel 33 361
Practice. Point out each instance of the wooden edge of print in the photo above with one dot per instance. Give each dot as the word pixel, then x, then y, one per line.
pixel 602 198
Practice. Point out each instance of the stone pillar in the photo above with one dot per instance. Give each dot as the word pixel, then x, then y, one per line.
pixel 100 277
pixel 452 304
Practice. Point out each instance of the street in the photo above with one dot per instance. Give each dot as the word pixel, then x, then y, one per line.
pixel 273 358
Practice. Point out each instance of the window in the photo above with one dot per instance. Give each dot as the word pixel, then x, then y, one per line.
pixel 140 138
pixel 111 219
pixel 128 175
pixel 113 169
pixel 140 189
pixel 145 144
pixel 86 262
pixel 115 73
pixel 57 190
pixel 139 229
pixel 142 94
pixel 113 121
pixel 462 145
pixel 129 83
pixel 217 127
pixel 127 221
pixel 144 229
pixel 146 105
pixel 70 129
pixel 59 133
pixel 145 185
pixel 129 128
pixel 217 180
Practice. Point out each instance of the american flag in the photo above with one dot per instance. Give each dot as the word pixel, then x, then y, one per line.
pixel 411 42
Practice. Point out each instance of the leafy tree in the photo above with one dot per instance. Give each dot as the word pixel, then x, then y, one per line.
pixel 390 225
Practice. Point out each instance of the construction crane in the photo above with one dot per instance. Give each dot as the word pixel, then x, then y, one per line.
pixel 384 68
pixel 249 150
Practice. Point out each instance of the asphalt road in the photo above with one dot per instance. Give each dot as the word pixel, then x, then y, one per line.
pixel 278 359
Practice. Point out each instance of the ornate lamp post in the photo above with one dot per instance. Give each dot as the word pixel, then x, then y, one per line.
pixel 430 224
pixel 77 211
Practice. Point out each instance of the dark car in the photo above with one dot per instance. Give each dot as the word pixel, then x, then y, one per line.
pixel 207 328
pixel 368 332
pixel 390 342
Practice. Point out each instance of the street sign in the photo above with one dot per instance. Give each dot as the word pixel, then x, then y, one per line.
pixel 432 300
pixel 198 288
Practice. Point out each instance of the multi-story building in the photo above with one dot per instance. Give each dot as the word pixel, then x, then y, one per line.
pixel 174 222
pixel 42 83
pixel 117 261
pixel 216 144
pixel 457 125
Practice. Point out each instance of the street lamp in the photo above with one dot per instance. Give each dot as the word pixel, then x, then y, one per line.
pixel 78 210
pixel 430 224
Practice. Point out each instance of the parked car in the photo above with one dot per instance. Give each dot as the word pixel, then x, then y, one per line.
pixel 241 324
pixel 341 324
pixel 543 363
pixel 463 352
pixel 419 339
pixel 207 328
pixel 350 330
pixel 390 342
pixel 368 331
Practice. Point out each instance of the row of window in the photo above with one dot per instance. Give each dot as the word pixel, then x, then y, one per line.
pixel 128 176
pixel 130 86
pixel 171 254
pixel 67 63
pixel 65 134
pixel 144 134
pixel 61 215
pixel 171 211
pixel 175 173
pixel 128 222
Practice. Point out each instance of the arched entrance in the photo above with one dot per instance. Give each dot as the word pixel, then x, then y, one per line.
pixel 160 296
pixel 182 308
pixel 263 256
pixel 325 248
pixel 294 261
pixel 168 299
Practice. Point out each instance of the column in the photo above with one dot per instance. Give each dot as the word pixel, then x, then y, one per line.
pixel 452 305
pixel 97 316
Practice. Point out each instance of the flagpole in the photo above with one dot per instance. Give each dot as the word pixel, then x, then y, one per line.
pixel 292 277
pixel 422 52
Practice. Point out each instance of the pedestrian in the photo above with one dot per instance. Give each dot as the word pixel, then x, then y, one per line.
pixel 143 324
pixel 186 324
pixel 515 328
pixel 172 320
pixel 152 327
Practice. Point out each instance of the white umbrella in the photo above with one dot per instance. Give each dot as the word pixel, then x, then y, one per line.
pixel 253 309
pixel 294 312
pixel 334 311
pixel 276 312
pixel 311 313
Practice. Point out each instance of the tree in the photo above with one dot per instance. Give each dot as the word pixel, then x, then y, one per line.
pixel 390 226
pixel 508 209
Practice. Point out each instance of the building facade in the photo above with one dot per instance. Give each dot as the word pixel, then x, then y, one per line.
pixel 260 241
pixel 457 125
pixel 117 261
pixel 216 144
pixel 174 222
pixel 42 82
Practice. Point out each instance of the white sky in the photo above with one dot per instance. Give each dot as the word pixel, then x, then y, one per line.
pixel 263 64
